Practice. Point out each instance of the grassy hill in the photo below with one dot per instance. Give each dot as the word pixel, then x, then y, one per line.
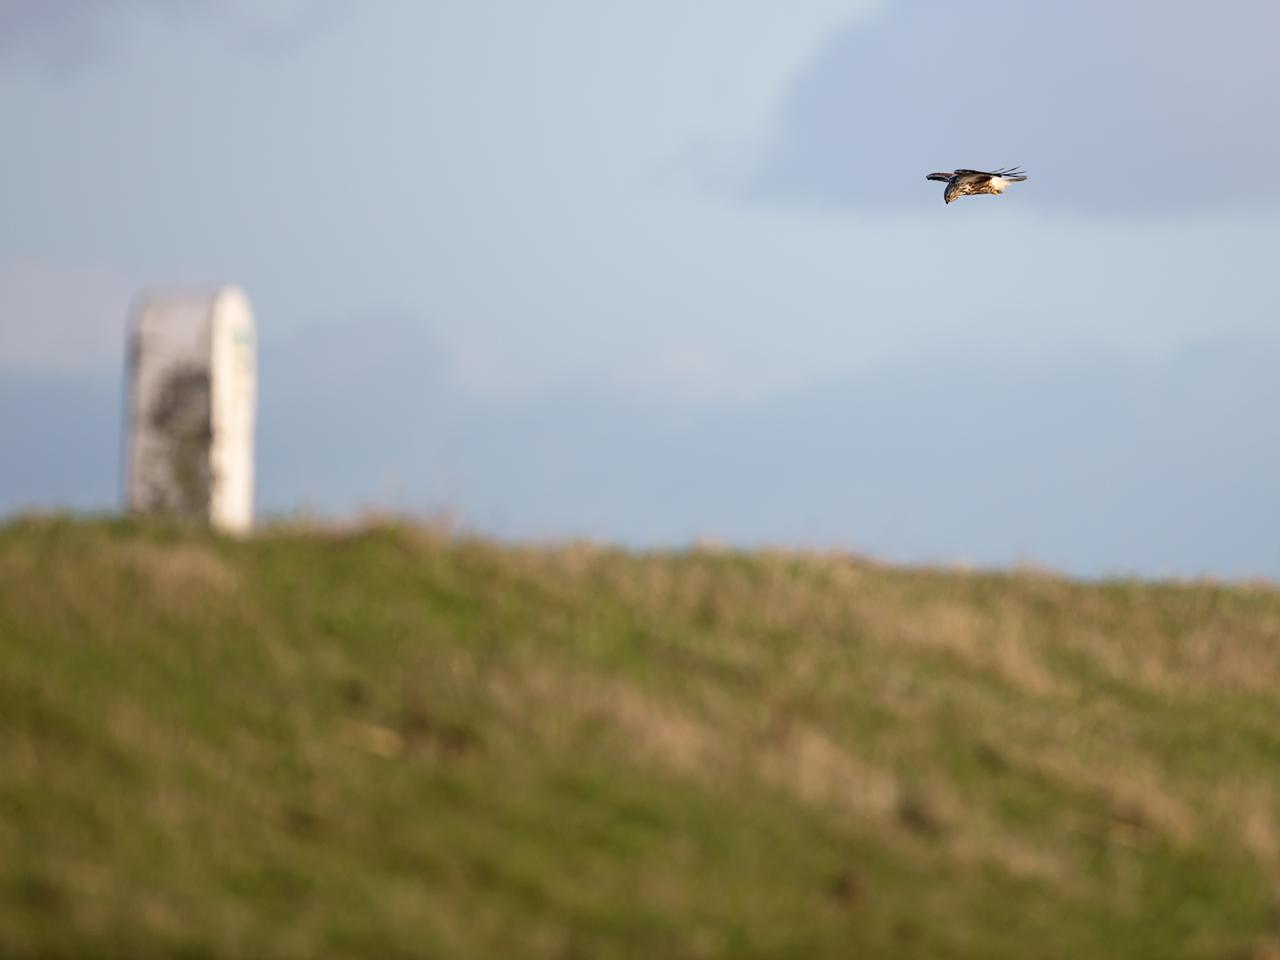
pixel 390 742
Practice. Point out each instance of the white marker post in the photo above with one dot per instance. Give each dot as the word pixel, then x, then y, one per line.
pixel 192 373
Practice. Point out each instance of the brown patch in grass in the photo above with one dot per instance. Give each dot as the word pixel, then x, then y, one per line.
pixel 795 758
pixel 1225 655
pixel 372 738
pixel 562 702
pixel 1172 642
pixel 998 644
pixel 660 730
pixel 1018 857
pixel 805 762
pixel 172 572
pixel 1135 796
pixel 1263 950
pixel 798 759
pixel 1250 810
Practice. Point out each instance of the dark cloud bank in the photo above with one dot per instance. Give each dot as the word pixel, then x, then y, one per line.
pixel 1117 108
pixel 1092 466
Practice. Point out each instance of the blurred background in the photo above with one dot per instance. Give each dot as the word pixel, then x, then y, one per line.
pixel 658 272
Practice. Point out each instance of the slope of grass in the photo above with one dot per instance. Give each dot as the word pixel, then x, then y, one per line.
pixel 391 742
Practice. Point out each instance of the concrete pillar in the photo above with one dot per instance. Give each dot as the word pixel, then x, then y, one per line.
pixel 192 376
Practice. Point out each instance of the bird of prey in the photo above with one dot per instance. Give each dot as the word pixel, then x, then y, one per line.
pixel 965 183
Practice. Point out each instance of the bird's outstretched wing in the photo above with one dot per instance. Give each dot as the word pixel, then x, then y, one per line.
pixel 1008 173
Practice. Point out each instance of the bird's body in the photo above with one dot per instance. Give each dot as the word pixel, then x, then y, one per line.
pixel 967 183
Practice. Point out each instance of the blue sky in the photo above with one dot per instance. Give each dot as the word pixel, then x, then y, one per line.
pixel 666 271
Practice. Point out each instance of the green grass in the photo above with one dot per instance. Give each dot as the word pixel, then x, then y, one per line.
pixel 390 742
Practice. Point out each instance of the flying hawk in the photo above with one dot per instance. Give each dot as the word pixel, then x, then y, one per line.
pixel 964 183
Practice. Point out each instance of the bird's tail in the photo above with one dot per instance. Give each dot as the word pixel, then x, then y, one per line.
pixel 1012 174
